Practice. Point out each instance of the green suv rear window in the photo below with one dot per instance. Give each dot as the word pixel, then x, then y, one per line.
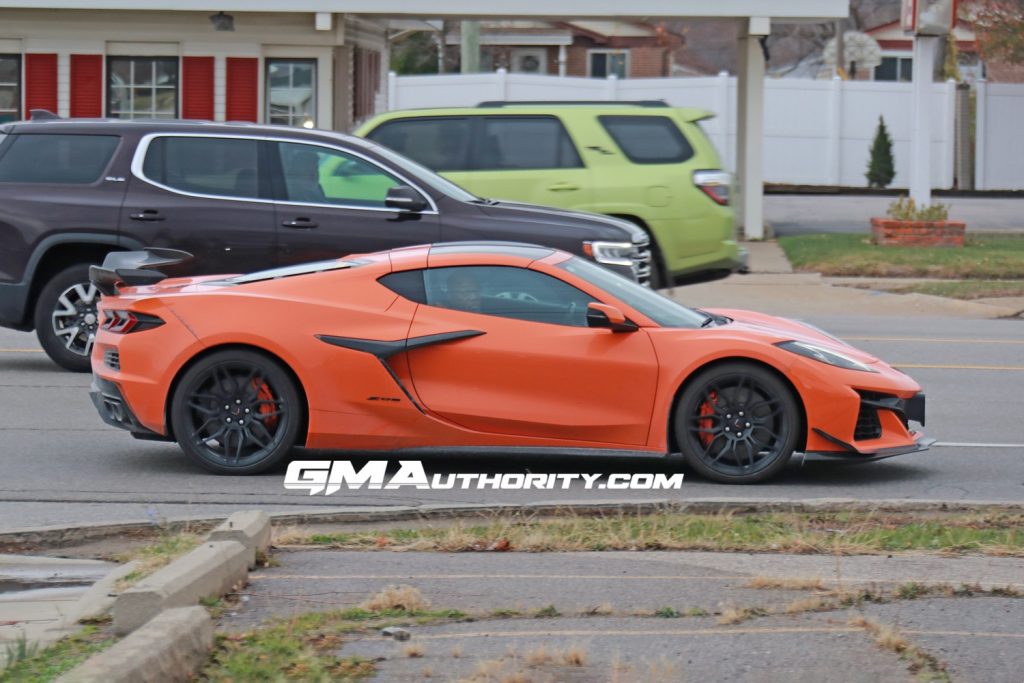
pixel 648 139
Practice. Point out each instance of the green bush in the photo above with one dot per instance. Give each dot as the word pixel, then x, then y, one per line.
pixel 905 209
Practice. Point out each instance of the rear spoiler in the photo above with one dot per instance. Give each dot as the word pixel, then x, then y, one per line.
pixel 134 268
pixel 695 115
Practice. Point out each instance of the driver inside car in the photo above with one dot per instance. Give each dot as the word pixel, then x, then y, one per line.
pixel 463 291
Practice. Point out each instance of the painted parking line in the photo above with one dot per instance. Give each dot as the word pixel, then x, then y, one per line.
pixel 933 340
pixel 941 366
pixel 954 444
pixel 21 351
pixel 542 633
pixel 609 577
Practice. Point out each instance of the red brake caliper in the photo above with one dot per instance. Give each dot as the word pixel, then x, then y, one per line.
pixel 267 403
pixel 707 408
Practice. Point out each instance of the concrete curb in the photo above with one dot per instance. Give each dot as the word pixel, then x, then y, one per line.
pixel 170 647
pixel 250 528
pixel 209 571
pixel 55 537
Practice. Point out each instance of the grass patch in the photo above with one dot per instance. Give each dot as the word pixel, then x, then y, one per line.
pixel 152 557
pixel 965 289
pixel 992 258
pixel 832 533
pixel 36 666
pixel 924 665
pixel 305 647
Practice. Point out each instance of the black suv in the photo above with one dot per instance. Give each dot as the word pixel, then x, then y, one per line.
pixel 240 197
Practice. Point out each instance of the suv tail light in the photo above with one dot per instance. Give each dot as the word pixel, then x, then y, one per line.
pixel 123 322
pixel 714 184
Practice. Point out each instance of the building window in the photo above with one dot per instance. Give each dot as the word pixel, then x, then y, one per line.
pixel 142 87
pixel 603 63
pixel 10 88
pixel 895 69
pixel 291 92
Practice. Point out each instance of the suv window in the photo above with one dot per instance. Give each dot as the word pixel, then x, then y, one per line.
pixel 225 167
pixel 440 144
pixel 524 142
pixel 64 159
pixel 503 291
pixel 648 139
pixel 318 175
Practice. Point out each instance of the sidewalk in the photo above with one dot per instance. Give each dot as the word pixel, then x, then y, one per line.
pixel 666 616
pixel 772 287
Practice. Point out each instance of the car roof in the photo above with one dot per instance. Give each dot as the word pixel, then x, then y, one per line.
pixel 522 249
pixel 149 126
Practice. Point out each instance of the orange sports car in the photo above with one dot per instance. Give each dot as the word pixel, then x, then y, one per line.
pixel 486 347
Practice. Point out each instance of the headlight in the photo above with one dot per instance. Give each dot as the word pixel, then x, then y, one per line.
pixel 823 355
pixel 610 253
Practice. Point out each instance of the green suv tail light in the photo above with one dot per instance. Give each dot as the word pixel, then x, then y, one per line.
pixel 714 184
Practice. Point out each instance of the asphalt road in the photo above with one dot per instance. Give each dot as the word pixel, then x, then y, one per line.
pixel 803 214
pixel 62 465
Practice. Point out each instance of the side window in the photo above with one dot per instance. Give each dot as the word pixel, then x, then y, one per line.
pixel 318 175
pixel 406 283
pixel 224 167
pixel 63 159
pixel 648 139
pixel 440 144
pixel 507 292
pixel 525 142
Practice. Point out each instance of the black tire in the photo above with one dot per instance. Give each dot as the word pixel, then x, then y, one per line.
pixel 730 397
pixel 237 412
pixel 65 318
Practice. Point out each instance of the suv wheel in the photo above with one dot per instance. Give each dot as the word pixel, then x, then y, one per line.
pixel 66 319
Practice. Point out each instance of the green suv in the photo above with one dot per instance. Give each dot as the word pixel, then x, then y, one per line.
pixel 646 162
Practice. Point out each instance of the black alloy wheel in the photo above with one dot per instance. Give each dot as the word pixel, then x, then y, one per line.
pixel 236 412
pixel 737 423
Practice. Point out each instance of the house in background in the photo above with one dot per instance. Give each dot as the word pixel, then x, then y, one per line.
pixel 595 49
pixel 898 53
pixel 314 69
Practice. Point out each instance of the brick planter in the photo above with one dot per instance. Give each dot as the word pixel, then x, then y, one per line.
pixel 888 231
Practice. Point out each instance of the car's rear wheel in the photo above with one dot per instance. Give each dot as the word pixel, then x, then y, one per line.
pixel 66 319
pixel 737 423
pixel 236 412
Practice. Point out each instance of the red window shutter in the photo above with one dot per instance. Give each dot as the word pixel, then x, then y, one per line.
pixel 197 88
pixel 87 85
pixel 40 82
pixel 243 82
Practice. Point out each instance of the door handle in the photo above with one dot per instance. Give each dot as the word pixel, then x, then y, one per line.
pixel 148 215
pixel 301 224
pixel 563 187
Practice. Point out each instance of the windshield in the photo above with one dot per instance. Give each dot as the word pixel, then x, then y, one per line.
pixel 658 308
pixel 422 173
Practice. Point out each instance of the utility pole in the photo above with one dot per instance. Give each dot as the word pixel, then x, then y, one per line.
pixel 470 48
pixel 840 51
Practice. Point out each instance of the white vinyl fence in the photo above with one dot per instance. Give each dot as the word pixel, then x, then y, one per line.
pixel 999 150
pixel 817 132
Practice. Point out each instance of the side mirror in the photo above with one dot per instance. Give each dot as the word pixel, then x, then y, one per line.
pixel 603 315
pixel 404 198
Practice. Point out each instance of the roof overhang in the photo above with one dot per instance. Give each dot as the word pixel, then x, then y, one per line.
pixel 640 10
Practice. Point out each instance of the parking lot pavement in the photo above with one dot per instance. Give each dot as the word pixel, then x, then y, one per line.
pixel 802 214
pixel 605 606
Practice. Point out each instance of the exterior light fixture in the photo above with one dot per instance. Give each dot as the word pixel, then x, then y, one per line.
pixel 308 123
pixel 222 22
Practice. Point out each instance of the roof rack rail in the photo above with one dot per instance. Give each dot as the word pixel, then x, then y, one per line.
pixel 43 115
pixel 497 104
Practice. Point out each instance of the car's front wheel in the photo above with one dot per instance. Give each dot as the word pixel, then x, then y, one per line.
pixel 236 412
pixel 66 319
pixel 737 423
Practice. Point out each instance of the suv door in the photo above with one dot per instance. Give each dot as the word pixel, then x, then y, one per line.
pixel 332 203
pixel 206 194
pixel 528 158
